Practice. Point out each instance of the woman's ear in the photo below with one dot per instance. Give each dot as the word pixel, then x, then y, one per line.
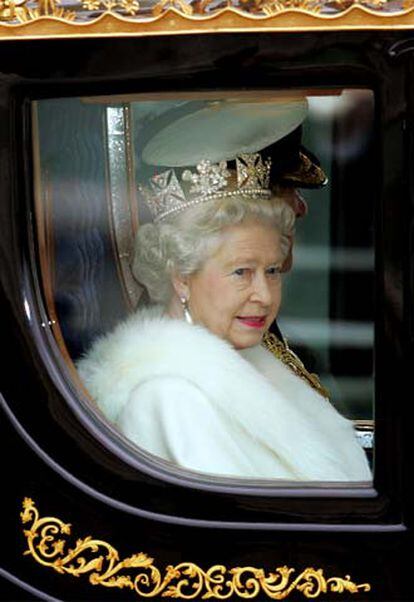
pixel 180 285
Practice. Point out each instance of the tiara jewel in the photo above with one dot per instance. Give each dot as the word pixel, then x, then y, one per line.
pixel 165 192
pixel 252 172
pixel 166 196
pixel 211 177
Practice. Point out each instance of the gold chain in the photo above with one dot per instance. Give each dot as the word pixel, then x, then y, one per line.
pixel 281 350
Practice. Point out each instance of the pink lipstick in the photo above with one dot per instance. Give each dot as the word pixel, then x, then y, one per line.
pixel 253 321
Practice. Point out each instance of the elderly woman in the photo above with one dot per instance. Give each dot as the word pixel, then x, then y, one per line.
pixel 195 378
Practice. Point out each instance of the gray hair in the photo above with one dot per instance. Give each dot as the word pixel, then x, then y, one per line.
pixel 183 242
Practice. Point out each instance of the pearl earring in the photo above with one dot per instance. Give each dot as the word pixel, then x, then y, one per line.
pixel 186 310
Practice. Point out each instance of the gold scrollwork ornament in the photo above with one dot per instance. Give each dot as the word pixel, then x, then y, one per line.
pixel 186 581
pixel 108 17
pixel 11 9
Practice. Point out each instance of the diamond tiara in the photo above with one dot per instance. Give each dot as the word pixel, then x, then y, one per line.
pixel 166 195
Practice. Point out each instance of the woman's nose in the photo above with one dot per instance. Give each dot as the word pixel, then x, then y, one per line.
pixel 261 290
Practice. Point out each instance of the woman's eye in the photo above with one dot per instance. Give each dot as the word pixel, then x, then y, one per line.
pixel 240 272
pixel 273 271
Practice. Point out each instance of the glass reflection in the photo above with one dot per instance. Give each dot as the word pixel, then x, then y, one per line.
pixel 142 236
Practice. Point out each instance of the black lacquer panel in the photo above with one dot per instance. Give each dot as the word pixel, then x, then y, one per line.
pixel 54 450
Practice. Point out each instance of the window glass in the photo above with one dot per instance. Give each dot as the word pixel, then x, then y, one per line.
pixel 236 341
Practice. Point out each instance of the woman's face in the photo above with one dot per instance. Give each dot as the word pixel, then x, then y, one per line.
pixel 237 292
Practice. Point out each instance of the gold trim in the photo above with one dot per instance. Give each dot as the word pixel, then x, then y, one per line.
pixel 282 351
pixel 186 580
pixel 174 21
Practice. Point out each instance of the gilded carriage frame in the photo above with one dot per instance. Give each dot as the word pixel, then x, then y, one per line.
pixel 41 19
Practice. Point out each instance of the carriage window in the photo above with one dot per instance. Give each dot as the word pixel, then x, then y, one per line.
pixel 207 263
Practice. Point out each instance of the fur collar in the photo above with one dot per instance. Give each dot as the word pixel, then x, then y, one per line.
pixel 250 388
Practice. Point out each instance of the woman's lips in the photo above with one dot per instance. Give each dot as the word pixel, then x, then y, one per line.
pixel 252 321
